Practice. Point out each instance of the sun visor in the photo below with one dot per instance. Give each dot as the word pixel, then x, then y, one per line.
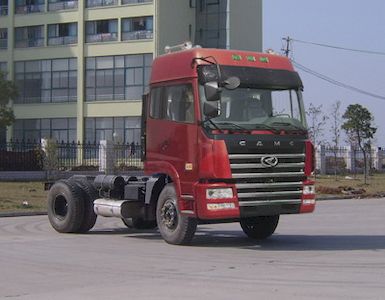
pixel 252 77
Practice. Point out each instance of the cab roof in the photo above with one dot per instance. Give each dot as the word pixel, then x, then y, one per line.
pixel 182 64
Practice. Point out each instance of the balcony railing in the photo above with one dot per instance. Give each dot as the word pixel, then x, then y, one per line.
pixel 135 1
pixel 96 3
pixel 137 35
pixel 61 5
pixel 102 37
pixel 27 43
pixel 27 9
pixel 3 10
pixel 3 44
pixel 62 40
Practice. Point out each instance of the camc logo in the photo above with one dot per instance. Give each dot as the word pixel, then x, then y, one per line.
pixel 269 161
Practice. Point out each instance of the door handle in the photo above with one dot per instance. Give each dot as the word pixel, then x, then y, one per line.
pixel 164 145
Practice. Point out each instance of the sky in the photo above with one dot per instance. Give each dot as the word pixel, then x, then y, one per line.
pixel 354 24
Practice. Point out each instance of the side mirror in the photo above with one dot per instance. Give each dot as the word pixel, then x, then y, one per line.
pixel 212 91
pixel 212 109
pixel 231 83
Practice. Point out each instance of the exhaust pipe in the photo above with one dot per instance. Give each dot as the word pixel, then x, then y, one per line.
pixel 118 208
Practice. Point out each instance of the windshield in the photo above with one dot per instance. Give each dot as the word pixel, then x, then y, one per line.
pixel 252 108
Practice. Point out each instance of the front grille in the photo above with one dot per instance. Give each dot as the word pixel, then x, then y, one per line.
pixel 260 185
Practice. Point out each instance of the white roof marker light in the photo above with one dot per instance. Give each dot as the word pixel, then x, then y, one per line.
pixel 184 46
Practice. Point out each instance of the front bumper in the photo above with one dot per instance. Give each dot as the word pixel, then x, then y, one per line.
pixel 231 208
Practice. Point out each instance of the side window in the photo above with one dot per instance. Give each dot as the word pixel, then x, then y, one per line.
pixel 174 103
pixel 180 103
pixel 156 103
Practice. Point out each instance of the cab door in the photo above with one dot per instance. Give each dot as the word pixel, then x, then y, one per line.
pixel 172 132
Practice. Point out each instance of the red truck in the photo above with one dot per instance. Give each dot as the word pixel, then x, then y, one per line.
pixel 224 140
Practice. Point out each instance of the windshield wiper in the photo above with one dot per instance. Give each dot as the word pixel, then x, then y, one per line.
pixel 258 126
pixel 232 124
pixel 289 124
pixel 268 127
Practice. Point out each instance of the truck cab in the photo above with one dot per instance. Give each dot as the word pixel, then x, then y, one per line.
pixel 225 140
pixel 244 153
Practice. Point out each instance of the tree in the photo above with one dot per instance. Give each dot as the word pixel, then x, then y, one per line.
pixel 8 92
pixel 358 127
pixel 317 122
pixel 335 127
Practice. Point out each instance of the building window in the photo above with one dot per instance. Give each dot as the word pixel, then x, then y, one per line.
pixel 62 4
pixel 31 36
pixel 120 130
pixel 96 3
pixel 62 34
pixel 137 28
pixel 136 1
pixel 59 129
pixel 3 8
pixel 46 81
pixel 211 24
pixel 3 38
pixel 3 66
pixel 101 31
pixel 29 6
pixel 117 77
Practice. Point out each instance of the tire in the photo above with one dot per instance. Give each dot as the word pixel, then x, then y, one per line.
pixel 259 227
pixel 175 228
pixel 89 194
pixel 139 223
pixel 65 206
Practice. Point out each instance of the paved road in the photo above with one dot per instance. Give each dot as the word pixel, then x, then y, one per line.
pixel 336 253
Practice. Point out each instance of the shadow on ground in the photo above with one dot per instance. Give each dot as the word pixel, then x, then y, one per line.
pixel 278 242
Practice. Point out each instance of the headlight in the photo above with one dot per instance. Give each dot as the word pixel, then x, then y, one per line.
pixel 308 189
pixel 221 193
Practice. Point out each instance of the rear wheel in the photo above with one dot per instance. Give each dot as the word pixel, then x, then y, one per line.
pixel 173 226
pixel 259 227
pixel 65 206
pixel 89 195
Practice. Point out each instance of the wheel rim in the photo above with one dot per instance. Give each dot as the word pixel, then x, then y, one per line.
pixel 169 215
pixel 60 206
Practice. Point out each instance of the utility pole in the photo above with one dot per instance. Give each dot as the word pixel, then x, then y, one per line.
pixel 286 50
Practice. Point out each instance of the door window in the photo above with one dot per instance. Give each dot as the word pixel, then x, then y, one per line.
pixel 174 103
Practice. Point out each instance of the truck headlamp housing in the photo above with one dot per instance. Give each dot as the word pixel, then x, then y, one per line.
pixel 219 193
pixel 308 189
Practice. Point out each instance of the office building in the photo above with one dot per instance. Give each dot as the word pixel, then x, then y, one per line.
pixel 82 66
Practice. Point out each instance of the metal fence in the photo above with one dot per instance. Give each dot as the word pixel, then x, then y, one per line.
pixel 74 156
pixel 344 160
pixel 21 156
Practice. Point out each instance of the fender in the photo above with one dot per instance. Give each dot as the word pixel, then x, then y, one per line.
pixel 161 167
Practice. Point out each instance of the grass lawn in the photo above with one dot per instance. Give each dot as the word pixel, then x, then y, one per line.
pixel 32 194
pixel 13 194
pixel 335 185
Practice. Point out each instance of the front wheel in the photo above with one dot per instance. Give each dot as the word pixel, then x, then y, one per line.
pixel 259 227
pixel 175 228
